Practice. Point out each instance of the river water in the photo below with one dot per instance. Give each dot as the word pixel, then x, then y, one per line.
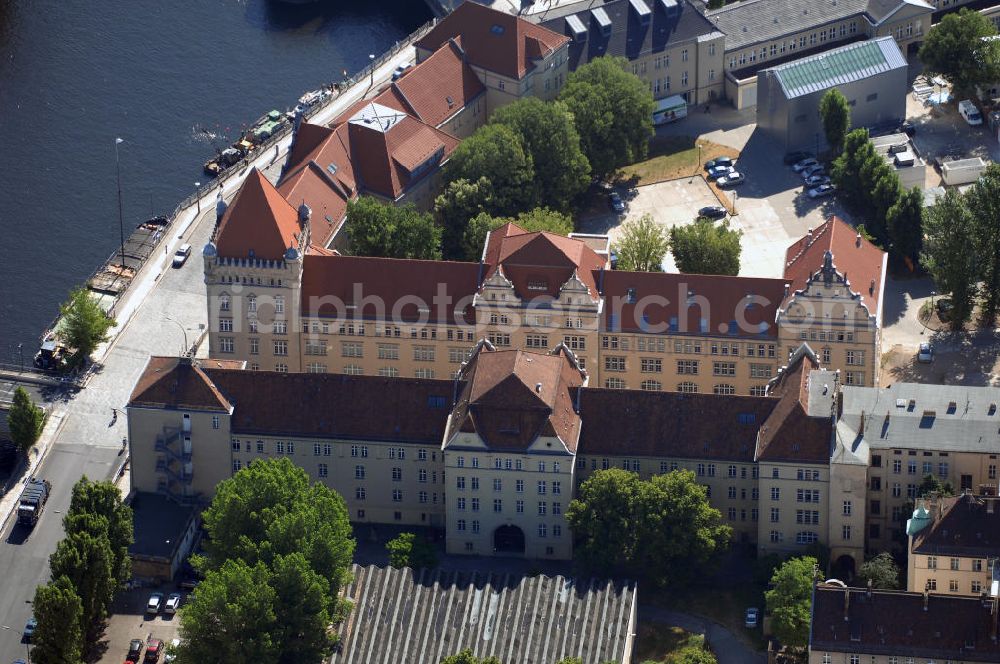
pixel 172 79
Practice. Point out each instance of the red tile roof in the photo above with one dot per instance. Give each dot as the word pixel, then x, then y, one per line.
pixel 312 185
pixel 965 525
pixel 513 397
pixel 541 257
pixel 437 88
pixel 352 279
pixel 790 434
pixel 902 624
pixel 177 384
pixel 650 424
pixel 259 223
pixel 861 262
pixel 494 40
pixel 740 307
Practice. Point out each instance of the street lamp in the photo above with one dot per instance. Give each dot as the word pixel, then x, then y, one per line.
pixel 20 352
pixel 121 214
pixel 929 313
pixel 183 331
pixel 735 195
pixel 371 65
pixel 197 185
pixel 27 648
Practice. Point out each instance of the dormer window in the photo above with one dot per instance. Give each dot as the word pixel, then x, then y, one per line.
pixel 538 285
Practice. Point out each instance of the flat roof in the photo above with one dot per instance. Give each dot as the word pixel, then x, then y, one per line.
pixel 158 525
pixel 423 616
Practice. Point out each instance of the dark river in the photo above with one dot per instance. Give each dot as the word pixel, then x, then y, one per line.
pixel 170 78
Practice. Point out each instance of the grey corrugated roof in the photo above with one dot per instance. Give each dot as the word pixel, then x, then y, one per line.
pixel 629 38
pixel 753 21
pixel 973 425
pixel 423 616
pixel 838 66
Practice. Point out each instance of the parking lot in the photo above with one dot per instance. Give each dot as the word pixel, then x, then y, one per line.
pixel 941 131
pixel 129 621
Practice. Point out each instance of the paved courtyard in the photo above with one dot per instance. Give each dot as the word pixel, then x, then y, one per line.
pixel 129 621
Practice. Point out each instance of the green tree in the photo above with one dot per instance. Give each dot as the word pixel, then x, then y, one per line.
pixel 932 485
pixel 25 420
pixel 983 201
pixel 496 152
pixel 466 657
pixel 885 192
pixel 58 636
pixel 641 245
pixel 270 509
pixel 692 655
pixel 570 660
pixel 716 4
pixel 230 617
pixel 304 609
pixel 705 247
pixel 613 111
pixel 86 559
pixel 836 116
pixel 459 203
pixel 846 172
pixel 956 49
pixel 651 529
pixel 881 570
pixel 539 219
pixel 790 600
pixel 84 325
pixel 105 500
pixel 377 229
pixel 409 550
pixel 549 135
pixel 948 242
pixel 905 224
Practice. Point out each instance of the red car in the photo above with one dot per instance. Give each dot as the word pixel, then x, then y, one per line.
pixel 153 650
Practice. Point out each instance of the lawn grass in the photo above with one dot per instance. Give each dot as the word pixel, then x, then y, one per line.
pixel 672 157
pixel 655 642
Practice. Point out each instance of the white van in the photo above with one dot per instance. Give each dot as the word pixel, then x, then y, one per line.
pixel 181 255
pixel 969 111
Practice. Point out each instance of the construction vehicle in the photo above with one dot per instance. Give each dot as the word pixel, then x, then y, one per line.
pixel 33 498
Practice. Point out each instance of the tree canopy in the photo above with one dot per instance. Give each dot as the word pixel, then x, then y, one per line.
pixel 466 657
pixel 948 238
pixel 25 420
pixel 790 600
pixel 692 655
pixel 705 247
pixel 268 525
pixel 956 49
pixel 641 245
pixel 663 529
pixel 103 499
pixel 613 110
pixel 984 202
pixel 905 224
pixel 390 231
pixel 836 116
pixel 549 135
pixel 868 185
pixel 410 550
pixel 58 635
pixel 86 559
pixel 460 202
pixel 84 325
pixel 881 570
pixel 539 219
pixel 497 153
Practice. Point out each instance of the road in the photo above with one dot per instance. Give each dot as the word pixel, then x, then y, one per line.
pixel 728 647
pixel 162 306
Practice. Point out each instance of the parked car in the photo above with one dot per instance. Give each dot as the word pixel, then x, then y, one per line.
pixel 616 203
pixel 181 255
pixel 718 161
pixel 717 172
pixel 153 650
pixel 816 180
pixel 925 355
pixel 907 128
pixel 810 171
pixel 154 603
pixel 173 603
pixel 712 212
pixel 29 629
pixel 751 618
pixel 821 191
pixel 135 647
pixel 800 166
pixel 398 72
pixel 795 157
pixel 172 650
pixel 731 180
pixel 944 307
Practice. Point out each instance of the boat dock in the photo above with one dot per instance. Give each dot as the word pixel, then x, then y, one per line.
pixel 112 278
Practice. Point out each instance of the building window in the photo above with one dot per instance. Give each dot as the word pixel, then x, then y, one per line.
pixel 388 351
pixel 388 372
pixel 323 470
pixel 687 367
pixel 651 385
pixel 542 508
pixel 519 506
pixel 614 363
pixel 776 536
pixel 760 370
pixel 497 505
pixel 687 388
pixel 614 383
pixel 845 532
pixel 775 493
pixel 847 508
pixel 976 587
pixel 359 472
pixel 651 365
pixel 775 515
pixel 226 344
pixel 931 562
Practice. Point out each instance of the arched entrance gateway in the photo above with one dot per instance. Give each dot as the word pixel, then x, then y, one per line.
pixel 508 539
pixel 844 568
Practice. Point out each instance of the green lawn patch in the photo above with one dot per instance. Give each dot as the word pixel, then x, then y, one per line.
pixel 672 157
pixel 656 642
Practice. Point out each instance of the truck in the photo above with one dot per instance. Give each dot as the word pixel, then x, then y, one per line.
pixel 669 109
pixel 969 111
pixel 32 502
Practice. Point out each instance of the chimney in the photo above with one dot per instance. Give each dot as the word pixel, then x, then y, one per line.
pixel 857 240
pixel 847 604
pixel 538 388
pixel 787 288
pixel 809 235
